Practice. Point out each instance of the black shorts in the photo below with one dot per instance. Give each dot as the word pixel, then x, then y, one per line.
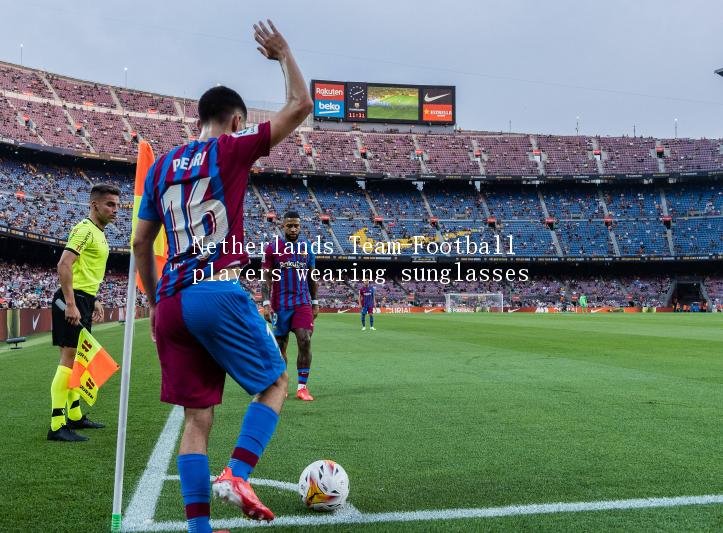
pixel 64 333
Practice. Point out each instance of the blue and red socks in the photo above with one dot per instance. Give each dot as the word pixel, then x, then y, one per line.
pixel 364 321
pixel 371 321
pixel 196 490
pixel 256 431
pixel 303 377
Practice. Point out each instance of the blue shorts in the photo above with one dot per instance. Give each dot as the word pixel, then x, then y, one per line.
pixel 206 331
pixel 367 310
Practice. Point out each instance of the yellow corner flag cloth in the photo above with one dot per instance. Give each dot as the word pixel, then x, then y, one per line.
pixel 160 246
pixel 92 367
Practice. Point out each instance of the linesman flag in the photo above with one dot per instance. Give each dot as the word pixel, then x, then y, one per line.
pixel 92 367
pixel 160 246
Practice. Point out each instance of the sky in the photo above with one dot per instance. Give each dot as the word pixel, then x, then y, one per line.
pixel 528 65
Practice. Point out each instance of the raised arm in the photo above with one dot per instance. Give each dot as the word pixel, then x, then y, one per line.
pixel 273 46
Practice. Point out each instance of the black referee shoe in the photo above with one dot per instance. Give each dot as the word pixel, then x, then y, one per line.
pixel 84 423
pixel 65 434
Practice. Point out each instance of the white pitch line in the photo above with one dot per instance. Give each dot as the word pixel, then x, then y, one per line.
pixel 448 514
pixel 142 508
pixel 283 485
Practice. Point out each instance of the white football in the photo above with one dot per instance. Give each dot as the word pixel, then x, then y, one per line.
pixel 324 486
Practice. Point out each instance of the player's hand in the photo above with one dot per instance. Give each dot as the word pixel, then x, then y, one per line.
pixel 152 317
pixel 98 312
pixel 315 310
pixel 272 43
pixel 72 314
pixel 267 314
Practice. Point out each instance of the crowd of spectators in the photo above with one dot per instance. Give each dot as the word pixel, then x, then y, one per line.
pixel 24 285
pixel 77 114
pixel 28 286
pixel 48 199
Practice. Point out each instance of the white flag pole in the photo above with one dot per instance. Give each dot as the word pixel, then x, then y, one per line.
pixel 120 450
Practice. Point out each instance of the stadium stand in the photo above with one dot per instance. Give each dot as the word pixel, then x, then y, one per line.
pixel 27 285
pixel 548 221
pixel 628 155
pixel 78 92
pixel 567 155
pixel 449 154
pixel 507 155
pixel 336 151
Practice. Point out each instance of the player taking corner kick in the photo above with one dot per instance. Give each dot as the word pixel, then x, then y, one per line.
pixel 289 295
pixel 206 329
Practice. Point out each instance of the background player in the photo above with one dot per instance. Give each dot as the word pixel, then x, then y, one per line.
pixel 81 270
pixel 367 302
pixel 290 302
pixel 583 303
pixel 211 328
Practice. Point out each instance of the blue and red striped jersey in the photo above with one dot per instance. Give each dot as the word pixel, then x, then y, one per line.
pixel 367 292
pixel 197 190
pixel 294 260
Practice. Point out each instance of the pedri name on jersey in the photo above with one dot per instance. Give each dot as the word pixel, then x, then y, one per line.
pixel 184 163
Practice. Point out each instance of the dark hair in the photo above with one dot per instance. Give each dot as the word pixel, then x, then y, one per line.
pixel 101 189
pixel 218 104
pixel 291 214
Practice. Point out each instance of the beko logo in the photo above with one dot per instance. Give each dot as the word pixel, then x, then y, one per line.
pixel 328 108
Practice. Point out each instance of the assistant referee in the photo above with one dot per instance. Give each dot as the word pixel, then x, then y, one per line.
pixel 81 270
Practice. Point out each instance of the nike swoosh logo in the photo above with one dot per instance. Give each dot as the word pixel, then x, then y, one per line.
pixel 340 311
pixel 428 98
pixel 35 321
pixel 428 311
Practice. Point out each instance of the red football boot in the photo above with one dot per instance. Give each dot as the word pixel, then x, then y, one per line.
pixel 236 491
pixel 303 394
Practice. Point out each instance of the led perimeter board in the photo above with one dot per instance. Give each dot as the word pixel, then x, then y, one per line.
pixel 354 101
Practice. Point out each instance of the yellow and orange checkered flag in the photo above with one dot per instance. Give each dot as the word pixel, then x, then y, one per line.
pixel 92 367
pixel 160 245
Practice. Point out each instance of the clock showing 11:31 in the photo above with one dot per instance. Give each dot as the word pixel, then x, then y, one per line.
pixel 356 95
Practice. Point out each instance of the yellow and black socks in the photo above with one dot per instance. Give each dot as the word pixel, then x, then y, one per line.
pixel 59 396
pixel 74 412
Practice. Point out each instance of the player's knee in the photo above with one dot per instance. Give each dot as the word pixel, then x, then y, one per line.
pixel 304 342
pixel 67 355
pixel 199 419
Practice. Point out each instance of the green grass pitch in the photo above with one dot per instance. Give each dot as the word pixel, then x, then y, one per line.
pixel 401 107
pixel 429 412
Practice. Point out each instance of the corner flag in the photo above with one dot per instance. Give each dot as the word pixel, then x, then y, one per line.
pixel 160 245
pixel 92 367
pixel 160 249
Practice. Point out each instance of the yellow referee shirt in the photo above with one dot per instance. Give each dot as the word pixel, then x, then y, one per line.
pixel 87 241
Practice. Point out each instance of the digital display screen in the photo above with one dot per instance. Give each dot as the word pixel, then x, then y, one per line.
pixel 393 103
pixel 353 101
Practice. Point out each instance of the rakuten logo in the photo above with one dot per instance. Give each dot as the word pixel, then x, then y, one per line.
pixel 327 91
pixel 323 92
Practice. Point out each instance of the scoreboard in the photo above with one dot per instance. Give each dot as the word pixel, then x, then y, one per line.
pixel 354 101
